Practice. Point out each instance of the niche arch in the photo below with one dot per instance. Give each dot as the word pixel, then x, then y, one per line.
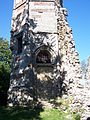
pixel 43 56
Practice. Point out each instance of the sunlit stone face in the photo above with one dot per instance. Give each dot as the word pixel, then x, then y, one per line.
pixel 17 1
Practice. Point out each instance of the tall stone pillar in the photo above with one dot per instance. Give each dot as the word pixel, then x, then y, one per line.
pixel 44 59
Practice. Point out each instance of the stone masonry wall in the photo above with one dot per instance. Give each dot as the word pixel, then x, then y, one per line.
pixel 42 27
pixel 88 69
pixel 70 57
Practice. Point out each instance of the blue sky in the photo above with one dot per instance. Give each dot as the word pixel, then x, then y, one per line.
pixel 78 18
pixel 5 18
pixel 79 21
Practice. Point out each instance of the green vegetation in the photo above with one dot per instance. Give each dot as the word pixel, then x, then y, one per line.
pixel 55 114
pixel 5 60
pixel 20 113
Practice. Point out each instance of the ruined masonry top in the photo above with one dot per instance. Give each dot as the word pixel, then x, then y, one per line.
pixel 19 2
pixel 38 11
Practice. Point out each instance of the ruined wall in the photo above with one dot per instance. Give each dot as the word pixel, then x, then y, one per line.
pixel 45 62
pixel 70 60
pixel 88 69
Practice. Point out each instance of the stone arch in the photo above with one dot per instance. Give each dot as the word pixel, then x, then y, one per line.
pixel 43 55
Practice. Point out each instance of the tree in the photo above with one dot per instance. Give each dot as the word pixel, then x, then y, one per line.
pixel 5 61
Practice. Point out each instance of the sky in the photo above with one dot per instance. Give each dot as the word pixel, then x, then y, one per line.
pixel 78 19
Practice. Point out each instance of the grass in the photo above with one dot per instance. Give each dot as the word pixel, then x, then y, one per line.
pixel 52 114
pixel 55 114
pixel 20 113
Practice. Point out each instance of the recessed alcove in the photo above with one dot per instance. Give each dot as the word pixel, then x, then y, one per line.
pixel 43 57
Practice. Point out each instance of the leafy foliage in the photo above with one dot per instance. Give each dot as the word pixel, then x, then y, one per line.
pixel 5 53
pixel 5 61
pixel 25 113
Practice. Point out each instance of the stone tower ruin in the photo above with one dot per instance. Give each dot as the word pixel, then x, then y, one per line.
pixel 45 63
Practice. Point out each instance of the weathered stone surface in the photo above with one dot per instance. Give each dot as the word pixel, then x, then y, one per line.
pixel 88 69
pixel 45 63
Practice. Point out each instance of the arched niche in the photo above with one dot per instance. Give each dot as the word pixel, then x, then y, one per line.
pixel 43 57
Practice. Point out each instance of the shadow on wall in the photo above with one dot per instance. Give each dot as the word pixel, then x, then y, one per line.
pixel 50 82
pixel 88 118
pixel 20 18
